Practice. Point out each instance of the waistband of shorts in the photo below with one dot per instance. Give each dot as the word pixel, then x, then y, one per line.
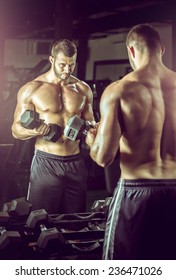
pixel 46 155
pixel 147 183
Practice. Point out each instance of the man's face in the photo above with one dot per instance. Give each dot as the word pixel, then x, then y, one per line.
pixel 64 66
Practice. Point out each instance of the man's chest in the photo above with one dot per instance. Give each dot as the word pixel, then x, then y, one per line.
pixel 54 100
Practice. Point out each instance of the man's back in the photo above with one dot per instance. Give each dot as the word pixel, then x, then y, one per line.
pixel 149 127
pixel 138 113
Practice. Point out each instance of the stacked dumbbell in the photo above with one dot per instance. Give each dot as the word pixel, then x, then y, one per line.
pixel 35 234
pixel 18 208
pixel 11 242
pixel 30 119
pixel 49 240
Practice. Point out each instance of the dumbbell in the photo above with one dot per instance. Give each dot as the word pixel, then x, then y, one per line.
pixel 101 205
pixel 76 127
pixel 18 208
pixel 11 244
pixel 4 219
pixel 50 239
pixel 30 119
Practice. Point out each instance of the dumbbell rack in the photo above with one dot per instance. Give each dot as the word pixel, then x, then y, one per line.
pixel 83 234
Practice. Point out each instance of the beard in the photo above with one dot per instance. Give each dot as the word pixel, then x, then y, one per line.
pixel 62 76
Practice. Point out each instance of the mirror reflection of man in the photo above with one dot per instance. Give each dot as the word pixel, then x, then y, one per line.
pixel 58 179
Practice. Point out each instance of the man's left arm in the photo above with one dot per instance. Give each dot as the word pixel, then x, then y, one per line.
pixel 104 141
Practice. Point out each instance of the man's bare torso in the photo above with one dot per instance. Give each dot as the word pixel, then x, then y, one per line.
pixel 55 104
pixel 148 144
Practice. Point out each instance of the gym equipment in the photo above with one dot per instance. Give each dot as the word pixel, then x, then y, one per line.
pixel 44 236
pixel 76 128
pixel 101 205
pixel 38 217
pixel 77 221
pixel 4 219
pixel 17 208
pixel 10 244
pixel 54 134
pixel 30 119
pixel 67 232
pixel 50 239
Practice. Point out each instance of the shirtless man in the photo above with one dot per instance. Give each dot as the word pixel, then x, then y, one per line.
pixel 138 117
pixel 58 178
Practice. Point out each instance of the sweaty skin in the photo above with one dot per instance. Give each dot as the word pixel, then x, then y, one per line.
pixel 138 117
pixel 56 95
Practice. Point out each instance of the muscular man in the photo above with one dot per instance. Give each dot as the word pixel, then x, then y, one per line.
pixel 58 175
pixel 138 117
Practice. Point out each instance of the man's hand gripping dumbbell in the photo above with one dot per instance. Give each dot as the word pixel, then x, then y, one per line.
pixel 30 120
pixel 76 128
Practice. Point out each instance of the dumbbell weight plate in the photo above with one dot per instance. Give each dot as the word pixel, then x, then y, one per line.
pixel 17 208
pixel 30 119
pixel 51 240
pixel 74 128
pixel 11 245
pixel 38 217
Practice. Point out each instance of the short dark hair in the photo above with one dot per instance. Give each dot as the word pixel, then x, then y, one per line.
pixel 144 34
pixel 65 46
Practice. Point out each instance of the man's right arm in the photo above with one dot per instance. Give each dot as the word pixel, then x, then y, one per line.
pixel 24 102
pixel 104 141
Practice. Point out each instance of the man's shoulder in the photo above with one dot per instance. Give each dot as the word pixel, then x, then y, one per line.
pixel 131 81
pixel 30 87
pixel 116 86
pixel 82 85
pixel 120 88
pixel 79 82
